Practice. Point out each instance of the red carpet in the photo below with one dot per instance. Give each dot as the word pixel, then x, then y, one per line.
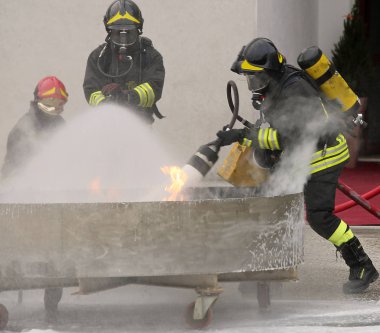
pixel 363 178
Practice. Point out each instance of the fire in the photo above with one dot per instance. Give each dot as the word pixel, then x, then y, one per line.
pixel 110 194
pixel 178 178
pixel 95 186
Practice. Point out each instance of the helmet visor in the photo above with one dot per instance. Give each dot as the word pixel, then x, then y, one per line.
pixel 124 37
pixel 258 82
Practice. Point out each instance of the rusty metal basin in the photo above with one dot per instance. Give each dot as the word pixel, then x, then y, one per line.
pixel 220 231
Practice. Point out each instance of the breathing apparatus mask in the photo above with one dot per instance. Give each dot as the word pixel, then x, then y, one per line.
pixel 258 84
pixel 51 106
pixel 123 38
pixel 119 40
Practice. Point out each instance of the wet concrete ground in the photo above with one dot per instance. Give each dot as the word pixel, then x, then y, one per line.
pixel 324 271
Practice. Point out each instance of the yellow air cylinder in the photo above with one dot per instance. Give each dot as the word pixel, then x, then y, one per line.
pixel 315 63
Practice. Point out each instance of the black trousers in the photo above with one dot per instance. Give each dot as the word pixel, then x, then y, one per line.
pixel 319 195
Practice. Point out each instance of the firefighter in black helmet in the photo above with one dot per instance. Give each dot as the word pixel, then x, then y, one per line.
pixel 126 69
pixel 298 118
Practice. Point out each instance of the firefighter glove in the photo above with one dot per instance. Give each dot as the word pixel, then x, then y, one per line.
pixel 131 97
pixel 111 89
pixel 231 136
pixel 250 137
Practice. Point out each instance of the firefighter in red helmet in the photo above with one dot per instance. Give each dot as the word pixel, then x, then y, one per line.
pixel 36 126
pixel 126 70
pixel 301 122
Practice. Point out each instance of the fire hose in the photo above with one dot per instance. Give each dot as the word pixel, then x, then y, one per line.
pixel 206 156
pixel 234 107
pixel 358 199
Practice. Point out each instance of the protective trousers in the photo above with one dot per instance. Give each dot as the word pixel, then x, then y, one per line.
pixel 319 195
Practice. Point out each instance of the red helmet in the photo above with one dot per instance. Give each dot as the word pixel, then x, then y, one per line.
pixel 50 87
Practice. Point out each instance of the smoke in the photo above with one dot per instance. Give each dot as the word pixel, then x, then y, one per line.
pixel 105 154
pixel 108 154
pixel 306 125
pixel 292 173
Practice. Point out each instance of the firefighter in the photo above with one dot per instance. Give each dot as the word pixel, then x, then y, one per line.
pixel 126 69
pixel 37 126
pixel 292 106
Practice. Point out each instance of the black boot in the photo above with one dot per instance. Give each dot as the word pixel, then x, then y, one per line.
pixel 362 271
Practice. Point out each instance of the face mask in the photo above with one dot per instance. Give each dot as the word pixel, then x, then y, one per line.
pixel 258 81
pixel 51 106
pixel 124 38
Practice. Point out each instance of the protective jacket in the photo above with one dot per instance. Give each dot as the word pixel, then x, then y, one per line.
pixel 24 140
pixel 145 73
pixel 299 121
pixel 296 113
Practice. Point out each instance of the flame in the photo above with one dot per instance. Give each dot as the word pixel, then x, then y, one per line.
pixel 95 186
pixel 110 194
pixel 178 178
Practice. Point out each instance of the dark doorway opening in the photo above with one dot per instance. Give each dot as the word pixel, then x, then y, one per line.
pixel 370 10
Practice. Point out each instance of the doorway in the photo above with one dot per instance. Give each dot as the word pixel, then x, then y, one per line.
pixel 370 11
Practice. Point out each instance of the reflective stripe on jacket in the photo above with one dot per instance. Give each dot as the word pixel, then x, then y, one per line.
pixel 95 98
pixel 331 156
pixel 268 139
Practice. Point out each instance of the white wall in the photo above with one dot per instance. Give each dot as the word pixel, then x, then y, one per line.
pixel 290 24
pixel 198 39
pixel 296 24
pixel 331 15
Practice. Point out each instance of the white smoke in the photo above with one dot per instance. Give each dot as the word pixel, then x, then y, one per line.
pixel 103 154
pixel 293 170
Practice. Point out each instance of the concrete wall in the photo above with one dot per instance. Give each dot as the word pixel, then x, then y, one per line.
pixel 331 15
pixel 291 25
pixel 198 39
pixel 296 24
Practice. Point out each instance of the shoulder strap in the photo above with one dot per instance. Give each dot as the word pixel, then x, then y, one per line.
pixel 286 80
pixel 146 42
pixel 289 79
pixel 292 77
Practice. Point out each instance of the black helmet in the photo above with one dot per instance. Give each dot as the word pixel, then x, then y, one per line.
pixel 123 15
pixel 258 55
